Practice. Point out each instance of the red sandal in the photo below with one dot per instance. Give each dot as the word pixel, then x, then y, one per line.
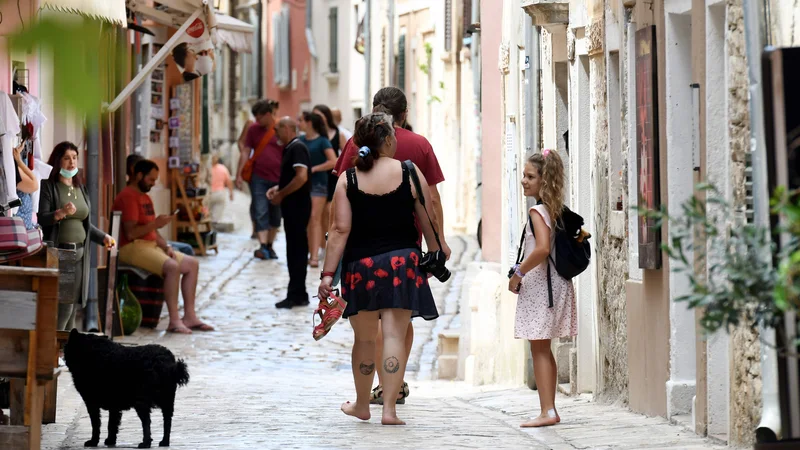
pixel 329 311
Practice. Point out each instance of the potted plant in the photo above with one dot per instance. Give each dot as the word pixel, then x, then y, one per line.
pixel 734 288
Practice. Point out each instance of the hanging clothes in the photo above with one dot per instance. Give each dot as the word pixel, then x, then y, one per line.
pixel 32 118
pixel 25 211
pixel 9 129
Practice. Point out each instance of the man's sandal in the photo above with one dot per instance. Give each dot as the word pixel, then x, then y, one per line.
pixel 376 397
pixel 329 311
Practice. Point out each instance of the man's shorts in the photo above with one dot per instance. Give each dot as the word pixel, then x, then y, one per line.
pixel 266 215
pixel 146 255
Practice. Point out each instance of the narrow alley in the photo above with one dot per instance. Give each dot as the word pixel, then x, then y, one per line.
pixel 262 382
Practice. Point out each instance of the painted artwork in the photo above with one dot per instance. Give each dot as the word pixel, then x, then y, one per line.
pixel 647 146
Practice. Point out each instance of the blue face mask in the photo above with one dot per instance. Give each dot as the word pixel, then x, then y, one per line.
pixel 68 173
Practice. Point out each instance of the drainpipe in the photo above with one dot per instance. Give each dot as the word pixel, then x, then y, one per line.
pixel 390 40
pixel 475 49
pixel 769 429
pixel 367 57
pixel 92 180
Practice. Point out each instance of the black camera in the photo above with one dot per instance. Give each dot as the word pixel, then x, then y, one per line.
pixel 433 263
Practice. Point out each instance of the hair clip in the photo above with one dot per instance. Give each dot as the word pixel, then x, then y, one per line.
pixel 364 151
pixel 545 152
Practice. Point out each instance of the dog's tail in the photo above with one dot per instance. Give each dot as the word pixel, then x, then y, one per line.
pixel 181 373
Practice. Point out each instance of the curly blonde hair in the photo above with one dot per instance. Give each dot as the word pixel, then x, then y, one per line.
pixel 551 170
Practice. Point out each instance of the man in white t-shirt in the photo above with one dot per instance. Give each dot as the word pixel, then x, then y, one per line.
pixel 337 119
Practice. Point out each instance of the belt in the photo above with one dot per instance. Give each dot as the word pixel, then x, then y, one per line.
pixel 70 246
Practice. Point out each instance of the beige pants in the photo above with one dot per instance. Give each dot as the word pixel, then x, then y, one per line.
pixel 217 203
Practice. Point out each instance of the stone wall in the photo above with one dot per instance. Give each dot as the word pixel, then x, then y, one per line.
pixel 745 395
pixel 612 251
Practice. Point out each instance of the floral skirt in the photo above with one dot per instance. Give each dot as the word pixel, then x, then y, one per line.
pixel 386 281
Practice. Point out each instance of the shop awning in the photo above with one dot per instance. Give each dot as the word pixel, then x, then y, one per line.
pixel 112 11
pixel 181 13
pixel 238 35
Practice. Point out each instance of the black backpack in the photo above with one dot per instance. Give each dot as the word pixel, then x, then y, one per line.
pixel 572 256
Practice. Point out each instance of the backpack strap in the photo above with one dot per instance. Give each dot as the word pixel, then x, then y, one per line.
pixel 550 258
pixel 420 196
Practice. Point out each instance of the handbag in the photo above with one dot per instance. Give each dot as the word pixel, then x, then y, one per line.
pixel 13 234
pixel 247 170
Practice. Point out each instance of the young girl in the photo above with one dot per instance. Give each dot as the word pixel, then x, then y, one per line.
pixel 536 321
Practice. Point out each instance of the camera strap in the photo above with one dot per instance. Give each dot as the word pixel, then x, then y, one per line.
pixel 412 172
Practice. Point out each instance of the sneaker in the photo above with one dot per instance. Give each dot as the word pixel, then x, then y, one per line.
pixel 261 254
pixel 271 253
pixel 285 304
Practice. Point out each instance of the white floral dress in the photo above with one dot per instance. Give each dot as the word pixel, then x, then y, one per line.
pixel 535 319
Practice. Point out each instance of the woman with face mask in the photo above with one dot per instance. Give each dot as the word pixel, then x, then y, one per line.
pixel 64 216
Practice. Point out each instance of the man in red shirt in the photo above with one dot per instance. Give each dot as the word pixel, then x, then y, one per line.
pixel 141 246
pixel 266 174
pixel 410 146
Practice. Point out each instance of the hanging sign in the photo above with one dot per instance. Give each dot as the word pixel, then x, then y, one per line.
pixel 194 55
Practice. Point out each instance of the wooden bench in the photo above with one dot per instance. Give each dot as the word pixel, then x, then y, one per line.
pixel 28 347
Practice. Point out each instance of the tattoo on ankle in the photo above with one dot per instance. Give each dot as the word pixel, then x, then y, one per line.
pixel 391 365
pixel 367 367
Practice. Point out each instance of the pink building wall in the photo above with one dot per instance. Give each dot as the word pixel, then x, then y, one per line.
pixel 492 125
pixel 11 23
pixel 299 58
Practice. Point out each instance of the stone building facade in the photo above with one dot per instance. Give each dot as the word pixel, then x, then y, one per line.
pixel 637 344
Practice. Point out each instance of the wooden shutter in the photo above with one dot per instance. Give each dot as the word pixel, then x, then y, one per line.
pixel 401 62
pixel 333 19
pixel 448 25
pixel 466 17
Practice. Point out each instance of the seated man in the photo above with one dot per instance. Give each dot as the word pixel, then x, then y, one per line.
pixel 141 246
pixel 130 163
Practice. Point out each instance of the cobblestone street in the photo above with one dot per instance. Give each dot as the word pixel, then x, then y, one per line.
pixel 262 382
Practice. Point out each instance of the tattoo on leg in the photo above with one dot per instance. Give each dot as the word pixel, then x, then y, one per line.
pixel 367 367
pixel 391 365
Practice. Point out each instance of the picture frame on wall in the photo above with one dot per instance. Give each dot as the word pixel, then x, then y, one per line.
pixel 647 147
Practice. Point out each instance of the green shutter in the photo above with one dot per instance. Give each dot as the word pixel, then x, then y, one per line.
pixel 401 62
pixel 333 18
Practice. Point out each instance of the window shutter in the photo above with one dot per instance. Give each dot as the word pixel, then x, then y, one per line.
pixel 383 57
pixel 333 17
pixel 466 17
pixel 448 25
pixel 253 63
pixel 276 45
pixel 287 75
pixel 401 62
pixel 219 75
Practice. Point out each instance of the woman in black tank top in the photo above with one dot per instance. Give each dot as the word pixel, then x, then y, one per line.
pixel 374 235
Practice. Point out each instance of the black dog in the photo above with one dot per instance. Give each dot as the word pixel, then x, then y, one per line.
pixel 117 378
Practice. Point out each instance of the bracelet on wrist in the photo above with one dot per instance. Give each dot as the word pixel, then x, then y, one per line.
pixel 517 272
pixel 326 274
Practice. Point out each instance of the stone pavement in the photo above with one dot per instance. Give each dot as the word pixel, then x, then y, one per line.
pixel 262 382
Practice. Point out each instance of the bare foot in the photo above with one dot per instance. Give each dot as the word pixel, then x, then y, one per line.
pixel 391 420
pixel 178 328
pixel 351 409
pixel 541 421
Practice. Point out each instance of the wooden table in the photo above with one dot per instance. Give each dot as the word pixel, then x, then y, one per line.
pixel 28 347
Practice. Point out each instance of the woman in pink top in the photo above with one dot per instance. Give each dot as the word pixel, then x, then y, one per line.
pixel 220 179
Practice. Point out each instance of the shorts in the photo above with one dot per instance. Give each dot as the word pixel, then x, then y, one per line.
pixel 146 255
pixel 266 215
pixel 319 189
